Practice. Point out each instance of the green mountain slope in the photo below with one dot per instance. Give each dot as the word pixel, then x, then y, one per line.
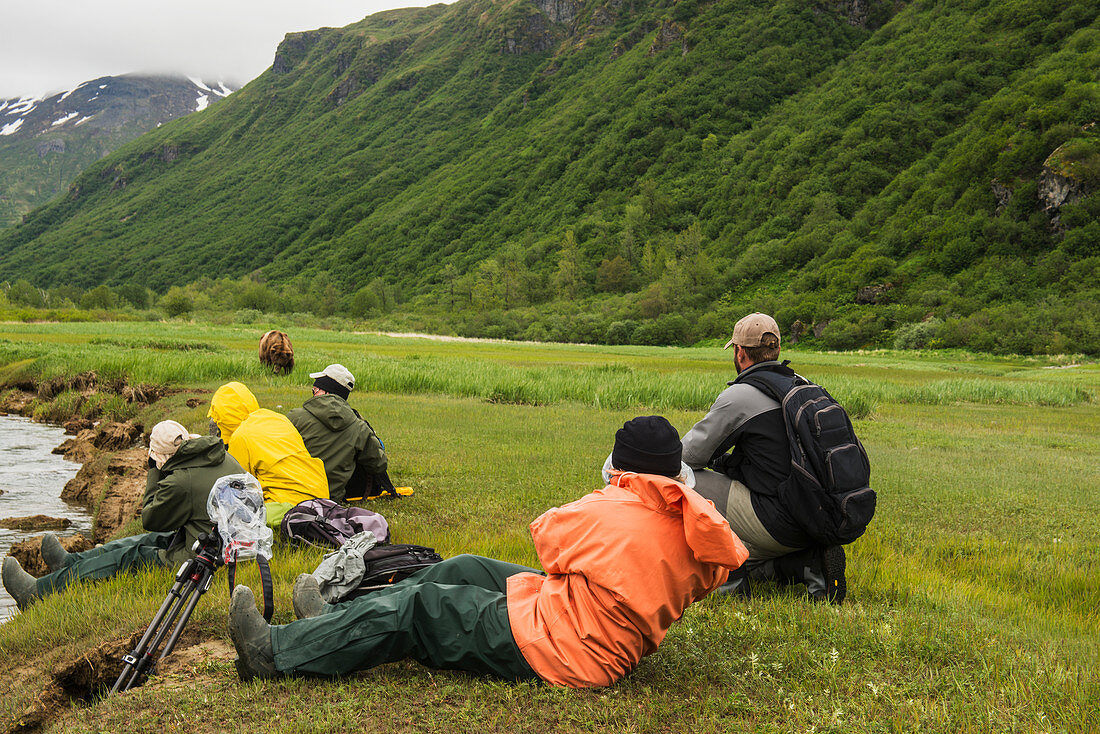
pixel 926 172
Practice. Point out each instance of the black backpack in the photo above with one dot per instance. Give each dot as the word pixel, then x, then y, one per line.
pixel 391 562
pixel 828 490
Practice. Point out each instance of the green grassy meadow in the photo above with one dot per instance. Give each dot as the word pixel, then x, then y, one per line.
pixel 973 597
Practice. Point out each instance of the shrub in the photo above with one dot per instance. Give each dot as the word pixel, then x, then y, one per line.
pixel 917 336
pixel 176 302
pixel 247 316
pixel 668 329
pixel 620 332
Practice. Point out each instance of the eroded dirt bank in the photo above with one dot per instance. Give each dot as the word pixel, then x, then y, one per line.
pixel 110 482
pixel 111 453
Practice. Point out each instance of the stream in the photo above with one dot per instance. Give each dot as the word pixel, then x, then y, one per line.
pixel 31 479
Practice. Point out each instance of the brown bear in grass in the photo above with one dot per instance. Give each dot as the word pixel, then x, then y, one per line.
pixel 276 352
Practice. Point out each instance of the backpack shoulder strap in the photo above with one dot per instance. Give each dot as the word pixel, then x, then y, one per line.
pixel 775 381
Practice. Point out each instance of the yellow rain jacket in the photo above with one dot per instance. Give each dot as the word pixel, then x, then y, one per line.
pixel 268 446
pixel 231 404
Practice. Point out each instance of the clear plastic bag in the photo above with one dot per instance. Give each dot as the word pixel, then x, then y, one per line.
pixel 236 505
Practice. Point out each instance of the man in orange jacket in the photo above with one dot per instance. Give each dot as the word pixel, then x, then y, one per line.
pixel 622 564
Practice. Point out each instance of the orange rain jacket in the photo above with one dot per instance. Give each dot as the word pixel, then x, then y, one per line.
pixel 624 563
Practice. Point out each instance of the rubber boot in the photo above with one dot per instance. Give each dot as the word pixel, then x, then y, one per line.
pixel 21 585
pixel 737 586
pixel 820 569
pixel 53 553
pixel 251 636
pixel 307 598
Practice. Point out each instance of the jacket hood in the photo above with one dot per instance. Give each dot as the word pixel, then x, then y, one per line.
pixel 332 411
pixel 201 451
pixel 708 534
pixel 231 404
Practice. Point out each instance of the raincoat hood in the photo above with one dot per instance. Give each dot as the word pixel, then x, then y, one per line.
pixel 707 533
pixel 231 404
pixel 332 411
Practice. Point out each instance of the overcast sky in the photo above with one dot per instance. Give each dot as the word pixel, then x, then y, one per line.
pixel 54 45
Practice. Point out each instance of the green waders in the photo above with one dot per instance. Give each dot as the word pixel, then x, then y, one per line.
pixel 452 615
pixel 107 560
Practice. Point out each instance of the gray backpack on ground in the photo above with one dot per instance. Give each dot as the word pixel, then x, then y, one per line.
pixel 324 523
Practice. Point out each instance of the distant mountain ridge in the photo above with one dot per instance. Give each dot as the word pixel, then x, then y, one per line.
pixel 46 142
pixel 588 169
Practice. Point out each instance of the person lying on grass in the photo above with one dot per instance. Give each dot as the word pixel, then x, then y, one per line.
pixel 182 468
pixel 622 564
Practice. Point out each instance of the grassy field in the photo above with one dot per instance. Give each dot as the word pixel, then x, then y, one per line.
pixel 973 596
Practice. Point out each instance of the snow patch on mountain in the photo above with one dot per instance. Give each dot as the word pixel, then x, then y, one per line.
pixel 66 94
pixel 11 127
pixel 63 120
pixel 24 105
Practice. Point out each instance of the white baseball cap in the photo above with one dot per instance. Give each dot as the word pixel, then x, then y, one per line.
pixel 339 374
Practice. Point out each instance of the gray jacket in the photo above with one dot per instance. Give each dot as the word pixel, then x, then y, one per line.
pixel 744 437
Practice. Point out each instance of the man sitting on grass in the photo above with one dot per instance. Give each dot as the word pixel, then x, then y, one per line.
pixel 740 454
pixel 622 564
pixel 354 457
pixel 182 469
pixel 267 445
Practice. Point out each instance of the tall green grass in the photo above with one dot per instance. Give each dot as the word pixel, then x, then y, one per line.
pixel 606 377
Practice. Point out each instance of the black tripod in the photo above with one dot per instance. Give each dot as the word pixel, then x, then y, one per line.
pixel 192 581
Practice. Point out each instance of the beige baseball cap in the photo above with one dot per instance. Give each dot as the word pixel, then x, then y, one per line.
pixel 165 439
pixel 750 331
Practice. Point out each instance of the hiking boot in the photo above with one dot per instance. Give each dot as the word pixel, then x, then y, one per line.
pixel 53 553
pixel 307 598
pixel 820 569
pixel 251 636
pixel 21 585
pixel 737 586
pixel 832 564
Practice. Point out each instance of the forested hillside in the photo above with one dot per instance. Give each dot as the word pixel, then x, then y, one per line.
pixel 919 174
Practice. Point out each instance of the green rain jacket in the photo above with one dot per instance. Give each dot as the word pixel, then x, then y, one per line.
pixel 175 495
pixel 338 436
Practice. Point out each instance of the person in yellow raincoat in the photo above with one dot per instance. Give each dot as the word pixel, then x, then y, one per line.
pixel 267 445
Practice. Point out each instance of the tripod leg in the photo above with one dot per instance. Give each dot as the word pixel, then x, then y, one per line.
pixel 131 660
pixel 200 589
pixel 146 658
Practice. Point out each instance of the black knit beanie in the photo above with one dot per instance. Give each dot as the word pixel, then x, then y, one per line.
pixel 647 445
pixel 329 385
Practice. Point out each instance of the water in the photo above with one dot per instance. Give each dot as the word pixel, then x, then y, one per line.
pixel 31 479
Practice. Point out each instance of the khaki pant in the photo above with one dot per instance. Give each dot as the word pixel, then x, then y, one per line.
pixel 734 501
